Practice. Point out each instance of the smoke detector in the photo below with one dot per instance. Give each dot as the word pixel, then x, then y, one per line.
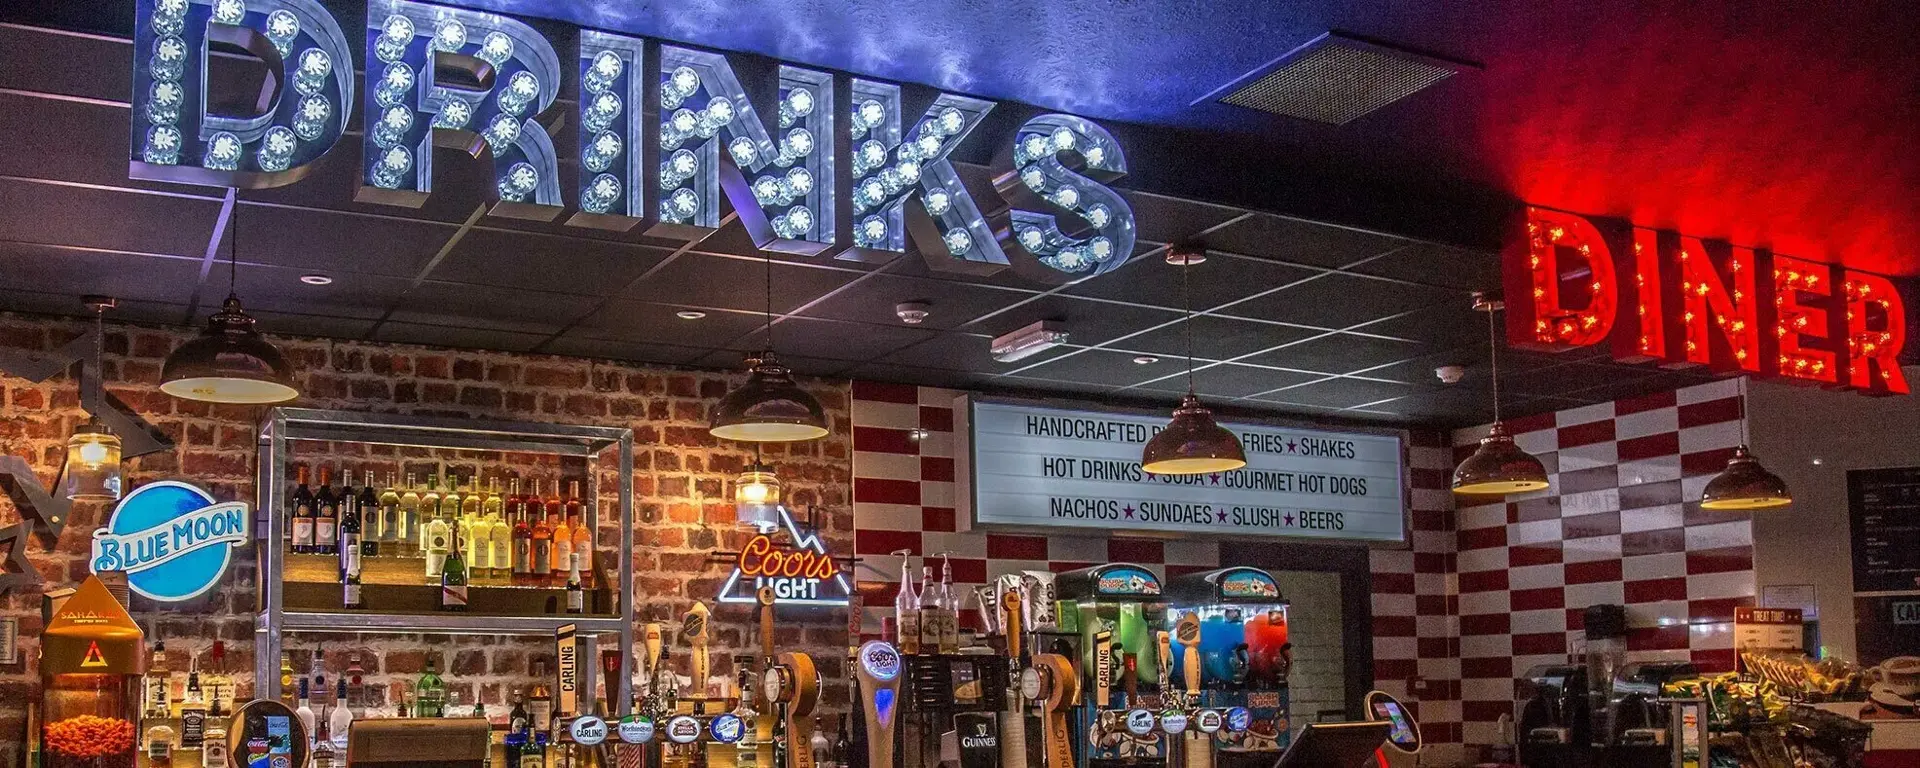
pixel 912 312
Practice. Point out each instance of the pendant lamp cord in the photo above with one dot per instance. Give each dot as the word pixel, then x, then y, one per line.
pixel 1493 355
pixel 1186 301
pixel 233 247
pixel 769 258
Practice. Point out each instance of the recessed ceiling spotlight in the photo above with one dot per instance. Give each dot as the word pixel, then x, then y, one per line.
pixel 1145 360
pixel 316 279
pixel 689 314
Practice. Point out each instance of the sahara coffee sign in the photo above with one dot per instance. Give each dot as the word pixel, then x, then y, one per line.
pixel 1038 467
pixel 173 540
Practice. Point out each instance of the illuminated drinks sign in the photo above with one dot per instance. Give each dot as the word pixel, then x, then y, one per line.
pixel 801 572
pixel 1681 301
pixel 812 162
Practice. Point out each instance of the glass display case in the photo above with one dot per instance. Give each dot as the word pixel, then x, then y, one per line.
pixel 92 659
pixel 409 524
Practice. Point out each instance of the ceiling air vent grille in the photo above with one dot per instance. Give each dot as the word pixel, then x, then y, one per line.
pixel 1335 79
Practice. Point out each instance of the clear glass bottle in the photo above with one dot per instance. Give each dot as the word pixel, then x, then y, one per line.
pixel 193 710
pixel 158 684
pixel 406 519
pixel 218 682
pixel 906 610
pixel 341 719
pixel 542 536
pixel 577 523
pixel 389 505
pixel 429 512
pixel 522 532
pixel 499 547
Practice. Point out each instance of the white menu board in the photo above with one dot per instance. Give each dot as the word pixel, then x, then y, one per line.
pixel 1037 467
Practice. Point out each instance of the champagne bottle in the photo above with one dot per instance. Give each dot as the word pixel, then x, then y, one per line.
pixel 576 595
pixel 453 580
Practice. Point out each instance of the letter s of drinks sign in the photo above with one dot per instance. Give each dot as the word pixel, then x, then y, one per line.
pixel 172 539
pixel 665 132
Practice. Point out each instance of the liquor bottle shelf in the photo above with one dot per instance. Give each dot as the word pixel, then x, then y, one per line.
pixel 441 623
pixel 412 572
pixel 400 586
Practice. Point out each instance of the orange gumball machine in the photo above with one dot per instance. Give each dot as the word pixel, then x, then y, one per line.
pixel 92 657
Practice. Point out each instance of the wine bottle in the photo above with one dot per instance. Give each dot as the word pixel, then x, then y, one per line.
pixel 499 545
pixel 577 522
pixel 406 529
pixel 326 517
pixel 562 543
pixel 349 502
pixel 349 545
pixel 542 536
pixel 371 517
pixel 522 533
pixel 301 515
pixel 429 512
pixel 389 505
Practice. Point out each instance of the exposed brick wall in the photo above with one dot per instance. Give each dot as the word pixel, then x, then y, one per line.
pixel 681 479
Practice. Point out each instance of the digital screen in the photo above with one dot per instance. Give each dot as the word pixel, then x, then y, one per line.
pixel 1400 730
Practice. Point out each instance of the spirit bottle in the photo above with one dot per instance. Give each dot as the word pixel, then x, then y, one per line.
pixel 450 501
pixel 562 542
pixel 576 597
pixel 949 610
pixel 213 754
pixel 300 515
pixel 159 746
pixel 842 748
pixel 322 751
pixel 326 517
pixel 929 611
pixel 356 685
pixel 193 710
pixel 159 693
pixel 747 750
pixel 406 528
pixel 389 505
pixel 821 748
pixel 906 610
pixel 342 718
pixel 542 561
pixel 522 532
pixel 577 522
pixel 305 711
pixel 218 682
pixel 430 692
pixel 286 678
pixel 453 580
pixel 371 518
pixel 519 720
pixel 540 702
pixel 429 512
pixel 499 531
pixel 317 673
pixel 474 533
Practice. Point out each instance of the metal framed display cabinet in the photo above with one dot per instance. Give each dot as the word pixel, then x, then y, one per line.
pixel 284 426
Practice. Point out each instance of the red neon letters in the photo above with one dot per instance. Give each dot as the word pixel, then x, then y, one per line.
pixel 1695 303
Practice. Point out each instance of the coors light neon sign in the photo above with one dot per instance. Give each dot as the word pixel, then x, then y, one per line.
pixel 1681 301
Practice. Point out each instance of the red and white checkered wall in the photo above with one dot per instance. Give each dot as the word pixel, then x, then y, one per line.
pixel 1481 593
pixel 1617 527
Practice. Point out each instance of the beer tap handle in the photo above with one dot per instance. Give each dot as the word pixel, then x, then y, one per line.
pixel 694 627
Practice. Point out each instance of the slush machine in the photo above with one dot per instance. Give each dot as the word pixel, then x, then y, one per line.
pixel 1121 612
pixel 1231 657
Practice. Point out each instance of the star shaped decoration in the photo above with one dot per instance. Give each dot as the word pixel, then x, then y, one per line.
pixel 16 571
pixel 1128 509
pixel 1222 514
pixel 1289 519
pixel 1216 478
pixel 1291 445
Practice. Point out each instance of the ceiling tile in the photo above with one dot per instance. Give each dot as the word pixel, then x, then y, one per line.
pixel 437 303
pixel 520 260
pixel 325 241
pixel 952 302
pixel 932 377
pixel 1099 368
pixel 1163 219
pixel 1088 322
pixel 1217 281
pixel 1300 242
pixel 68 305
pixel 729 283
pixel 25 266
pixel 1214 338
pixel 1337 301
pixel 1338 353
pixel 1569 378
pixel 1441 265
pixel 644 322
pixel 312 325
pixel 1340 393
pixel 278 289
pixel 112 220
pixel 1227 380
pixel 963 352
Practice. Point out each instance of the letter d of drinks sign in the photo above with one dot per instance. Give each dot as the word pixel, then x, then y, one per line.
pixel 173 540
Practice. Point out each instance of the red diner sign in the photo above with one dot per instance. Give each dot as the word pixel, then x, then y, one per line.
pixel 1681 301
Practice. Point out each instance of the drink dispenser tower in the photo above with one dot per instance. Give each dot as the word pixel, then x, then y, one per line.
pixel 92 658
pixel 1231 658
pixel 1121 610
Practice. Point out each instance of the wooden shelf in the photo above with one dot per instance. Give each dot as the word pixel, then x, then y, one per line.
pixel 399 586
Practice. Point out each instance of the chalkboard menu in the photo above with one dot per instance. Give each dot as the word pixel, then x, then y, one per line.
pixel 1885 511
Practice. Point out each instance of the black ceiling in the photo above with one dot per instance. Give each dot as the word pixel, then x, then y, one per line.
pixel 1292 316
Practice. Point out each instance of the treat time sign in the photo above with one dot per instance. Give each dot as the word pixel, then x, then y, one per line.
pixel 1037 467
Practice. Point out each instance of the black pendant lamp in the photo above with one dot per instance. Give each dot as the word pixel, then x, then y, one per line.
pixel 770 407
pixel 1498 466
pixel 1744 484
pixel 229 362
pixel 1192 443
